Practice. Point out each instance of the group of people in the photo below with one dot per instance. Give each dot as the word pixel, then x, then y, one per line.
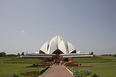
pixel 57 62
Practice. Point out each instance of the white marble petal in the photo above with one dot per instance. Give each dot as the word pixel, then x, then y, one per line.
pixel 71 48
pixel 62 47
pixel 52 47
pixel 44 47
pixel 57 42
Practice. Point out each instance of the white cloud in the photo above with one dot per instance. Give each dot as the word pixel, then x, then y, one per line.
pixel 23 32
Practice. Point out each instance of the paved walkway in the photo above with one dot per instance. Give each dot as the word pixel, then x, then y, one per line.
pixel 57 71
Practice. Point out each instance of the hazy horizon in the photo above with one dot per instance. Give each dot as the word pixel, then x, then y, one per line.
pixel 90 25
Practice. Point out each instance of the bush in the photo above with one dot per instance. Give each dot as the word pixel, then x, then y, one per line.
pixel 43 70
pixel 81 73
pixel 71 69
pixel 48 64
pixel 33 64
pixel 94 75
pixel 15 75
pixel 31 74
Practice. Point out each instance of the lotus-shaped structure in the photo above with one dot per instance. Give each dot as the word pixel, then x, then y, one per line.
pixel 57 49
pixel 57 45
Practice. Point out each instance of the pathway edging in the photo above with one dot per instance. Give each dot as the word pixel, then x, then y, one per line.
pixel 69 70
pixel 43 72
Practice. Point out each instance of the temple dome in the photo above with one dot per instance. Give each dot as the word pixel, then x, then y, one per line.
pixel 57 45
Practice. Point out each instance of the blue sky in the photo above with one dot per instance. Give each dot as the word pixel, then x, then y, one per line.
pixel 90 25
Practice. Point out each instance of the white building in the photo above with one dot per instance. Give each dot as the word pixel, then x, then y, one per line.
pixel 58 49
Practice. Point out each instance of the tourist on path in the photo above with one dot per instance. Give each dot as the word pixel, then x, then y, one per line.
pixel 61 62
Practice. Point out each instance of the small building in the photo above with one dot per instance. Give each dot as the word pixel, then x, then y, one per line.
pixel 57 49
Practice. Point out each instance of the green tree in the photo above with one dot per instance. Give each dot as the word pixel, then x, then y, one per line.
pixel 18 54
pixel 2 54
pixel 22 53
pixel 91 53
pixel 115 55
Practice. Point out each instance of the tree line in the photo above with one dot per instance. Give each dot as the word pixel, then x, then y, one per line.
pixel 3 54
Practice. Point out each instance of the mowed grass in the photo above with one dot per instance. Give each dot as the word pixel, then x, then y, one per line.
pixel 104 66
pixel 19 60
pixel 94 59
pixel 2 59
pixel 108 57
pixel 7 70
pixel 13 65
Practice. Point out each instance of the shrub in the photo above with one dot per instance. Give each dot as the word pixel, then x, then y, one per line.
pixel 94 75
pixel 71 69
pixel 48 64
pixel 37 64
pixel 33 64
pixel 30 74
pixel 81 73
pixel 15 75
pixel 43 70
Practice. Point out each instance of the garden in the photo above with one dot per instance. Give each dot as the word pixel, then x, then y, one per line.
pixel 102 66
pixel 14 67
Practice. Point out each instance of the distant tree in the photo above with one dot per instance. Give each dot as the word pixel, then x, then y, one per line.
pixel 10 55
pixel 2 54
pixel 22 53
pixel 91 53
pixel 115 55
pixel 110 54
pixel 18 54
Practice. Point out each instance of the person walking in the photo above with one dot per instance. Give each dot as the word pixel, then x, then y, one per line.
pixel 61 62
pixel 58 62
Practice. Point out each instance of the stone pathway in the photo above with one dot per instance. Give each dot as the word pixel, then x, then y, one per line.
pixel 57 71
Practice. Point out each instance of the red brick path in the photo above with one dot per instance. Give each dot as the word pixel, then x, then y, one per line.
pixel 57 71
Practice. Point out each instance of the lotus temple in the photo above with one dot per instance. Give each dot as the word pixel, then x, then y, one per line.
pixel 57 49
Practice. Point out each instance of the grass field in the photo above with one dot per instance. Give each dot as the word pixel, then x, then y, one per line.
pixel 96 59
pixel 7 70
pixel 104 66
pixel 108 57
pixel 13 65
pixel 102 69
pixel 19 60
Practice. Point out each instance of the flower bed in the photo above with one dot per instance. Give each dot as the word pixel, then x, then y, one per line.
pixel 81 73
pixel 31 73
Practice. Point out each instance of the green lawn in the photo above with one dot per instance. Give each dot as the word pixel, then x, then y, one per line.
pixel 108 57
pixel 102 69
pixel 94 59
pixel 13 65
pixel 19 60
pixel 2 59
pixel 7 70
pixel 102 65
